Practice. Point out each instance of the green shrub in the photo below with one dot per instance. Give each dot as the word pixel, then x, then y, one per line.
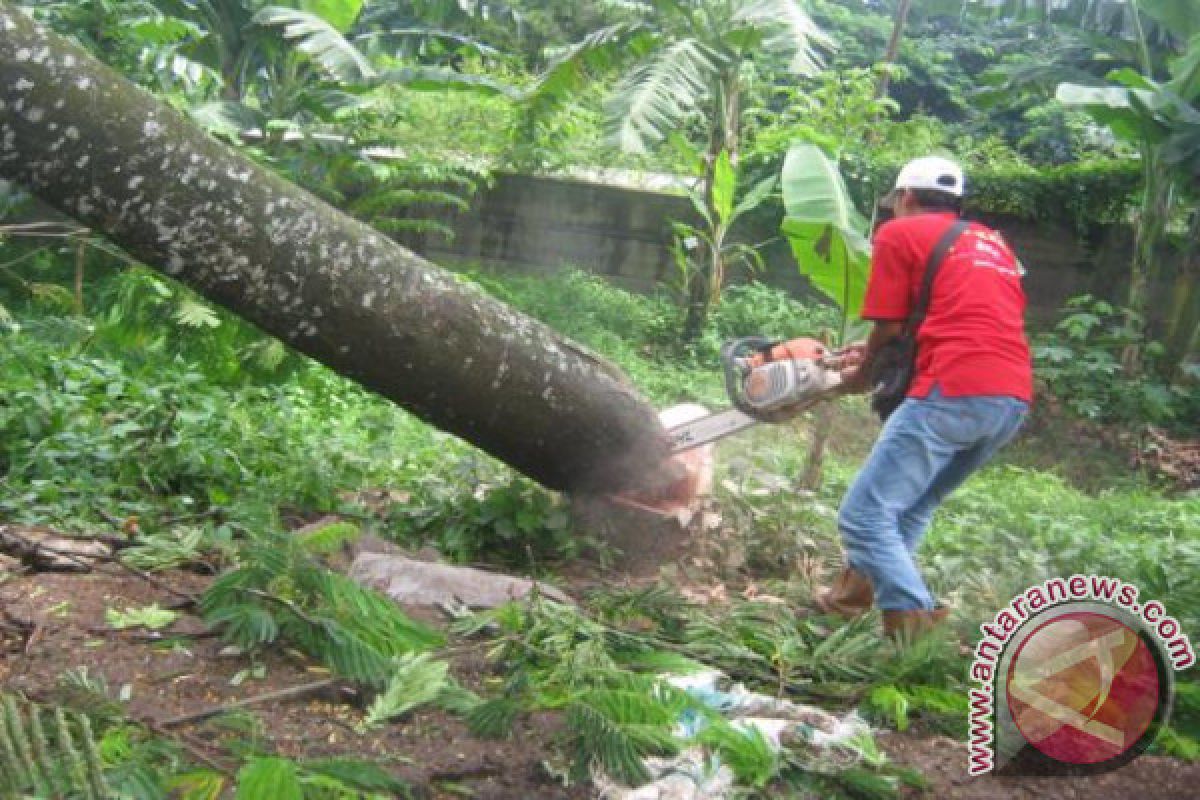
pixel 1081 362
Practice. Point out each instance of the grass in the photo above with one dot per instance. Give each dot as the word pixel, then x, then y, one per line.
pixel 188 432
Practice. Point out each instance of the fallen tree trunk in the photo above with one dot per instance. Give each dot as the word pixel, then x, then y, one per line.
pixel 98 148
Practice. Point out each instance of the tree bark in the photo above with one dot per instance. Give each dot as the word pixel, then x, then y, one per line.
pixel 1151 227
pixel 1183 322
pixel 111 155
pixel 893 46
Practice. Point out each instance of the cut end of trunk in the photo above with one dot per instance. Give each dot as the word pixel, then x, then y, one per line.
pixel 691 474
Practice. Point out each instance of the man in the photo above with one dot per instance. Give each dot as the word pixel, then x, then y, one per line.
pixel 970 392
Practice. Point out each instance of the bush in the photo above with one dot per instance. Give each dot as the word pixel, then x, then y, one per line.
pixel 1078 196
pixel 1080 362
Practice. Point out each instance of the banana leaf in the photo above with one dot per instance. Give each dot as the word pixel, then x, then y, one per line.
pixel 825 230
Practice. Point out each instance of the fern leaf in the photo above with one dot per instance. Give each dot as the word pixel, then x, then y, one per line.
pixel 16 761
pixel 617 729
pixel 340 649
pixel 91 752
pixel 416 681
pixel 244 624
pixel 493 719
pixel 267 354
pixel 51 769
pixel 12 773
pixel 73 767
pixel 193 313
pixel 31 770
pixel 457 699
pixel 48 768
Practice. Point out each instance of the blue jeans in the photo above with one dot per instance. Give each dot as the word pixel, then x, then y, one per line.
pixel 927 448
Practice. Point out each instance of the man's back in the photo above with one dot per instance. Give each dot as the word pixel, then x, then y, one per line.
pixel 972 342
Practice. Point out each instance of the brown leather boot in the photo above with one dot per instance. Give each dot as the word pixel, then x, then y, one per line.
pixel 910 625
pixel 850 596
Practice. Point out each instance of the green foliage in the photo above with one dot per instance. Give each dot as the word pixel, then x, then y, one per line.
pixel 616 729
pixel 330 538
pixel 826 231
pixel 151 617
pixel 415 681
pixel 943 709
pixel 746 750
pixel 485 513
pixel 1081 196
pixel 269 777
pixel 48 752
pixel 278 591
pixel 493 719
pixel 1081 363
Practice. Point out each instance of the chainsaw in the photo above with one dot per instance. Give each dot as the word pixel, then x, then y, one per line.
pixel 767 381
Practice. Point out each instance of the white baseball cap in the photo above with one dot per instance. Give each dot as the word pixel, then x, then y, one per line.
pixel 929 172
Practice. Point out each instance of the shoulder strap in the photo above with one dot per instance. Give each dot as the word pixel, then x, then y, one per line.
pixel 917 316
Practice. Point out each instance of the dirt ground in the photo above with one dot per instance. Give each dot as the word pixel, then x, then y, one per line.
pixel 430 749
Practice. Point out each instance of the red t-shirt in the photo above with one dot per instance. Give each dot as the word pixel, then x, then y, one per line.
pixel 973 339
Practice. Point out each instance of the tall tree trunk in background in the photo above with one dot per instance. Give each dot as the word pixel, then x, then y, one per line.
pixel 893 45
pixel 1183 320
pixel 704 289
pixel 1151 228
pixel 1151 224
pixel 90 143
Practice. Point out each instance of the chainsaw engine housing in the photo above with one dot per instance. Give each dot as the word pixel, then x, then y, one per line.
pixel 764 377
pixel 779 384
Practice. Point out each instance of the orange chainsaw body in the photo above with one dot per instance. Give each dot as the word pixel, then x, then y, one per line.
pixel 793 349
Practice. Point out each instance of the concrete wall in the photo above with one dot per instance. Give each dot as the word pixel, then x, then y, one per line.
pixel 538 224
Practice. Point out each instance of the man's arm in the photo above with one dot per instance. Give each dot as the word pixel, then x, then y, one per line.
pixel 855 362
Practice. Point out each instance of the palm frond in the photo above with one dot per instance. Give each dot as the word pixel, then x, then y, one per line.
pixel 617 729
pixel 275 778
pixel 282 592
pixel 790 32
pixel 745 749
pixel 354 775
pixel 570 69
pixel 415 681
pixel 658 94
pixel 64 763
pixel 320 41
pixel 493 719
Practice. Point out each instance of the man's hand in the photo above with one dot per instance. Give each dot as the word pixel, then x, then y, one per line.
pixel 849 362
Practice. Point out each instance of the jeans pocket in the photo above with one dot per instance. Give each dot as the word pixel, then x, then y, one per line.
pixel 956 423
